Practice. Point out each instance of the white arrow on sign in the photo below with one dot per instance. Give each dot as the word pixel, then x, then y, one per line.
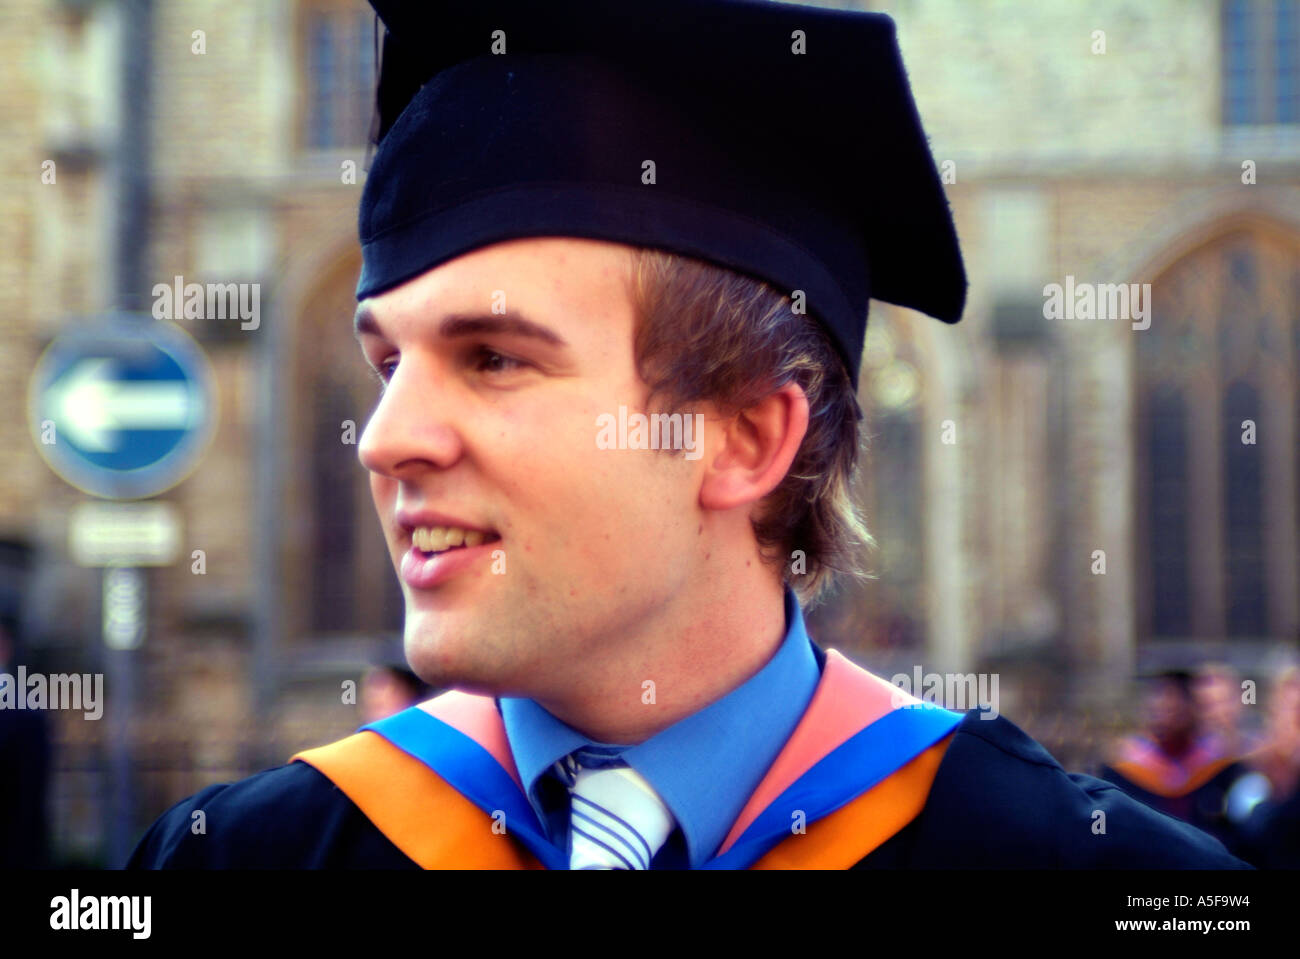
pixel 92 406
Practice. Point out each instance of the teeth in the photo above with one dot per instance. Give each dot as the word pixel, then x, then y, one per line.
pixel 435 539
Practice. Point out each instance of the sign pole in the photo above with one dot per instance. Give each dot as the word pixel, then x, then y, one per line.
pixel 123 409
pixel 124 617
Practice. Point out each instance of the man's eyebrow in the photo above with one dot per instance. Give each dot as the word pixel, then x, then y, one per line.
pixel 470 324
pixel 364 322
pixel 473 324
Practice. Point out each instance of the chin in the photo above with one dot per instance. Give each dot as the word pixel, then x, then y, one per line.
pixel 433 655
pixel 444 654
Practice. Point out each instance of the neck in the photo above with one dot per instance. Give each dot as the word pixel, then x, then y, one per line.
pixel 718 636
pixel 1177 745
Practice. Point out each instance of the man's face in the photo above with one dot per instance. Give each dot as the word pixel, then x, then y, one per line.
pixel 1170 716
pixel 1218 701
pixel 489 422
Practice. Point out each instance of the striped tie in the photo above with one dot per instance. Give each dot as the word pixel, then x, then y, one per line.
pixel 617 820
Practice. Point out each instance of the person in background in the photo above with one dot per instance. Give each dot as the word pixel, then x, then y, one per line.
pixel 24 771
pixel 389 689
pixel 1217 687
pixel 1268 803
pixel 1175 765
pixel 1278 756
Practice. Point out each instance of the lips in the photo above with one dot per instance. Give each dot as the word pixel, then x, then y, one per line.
pixel 439 544
pixel 424 570
pixel 406 520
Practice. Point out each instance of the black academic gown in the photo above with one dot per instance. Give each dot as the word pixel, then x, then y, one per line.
pixel 998 800
pixel 1202 806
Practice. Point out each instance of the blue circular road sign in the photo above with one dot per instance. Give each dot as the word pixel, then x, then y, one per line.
pixel 122 407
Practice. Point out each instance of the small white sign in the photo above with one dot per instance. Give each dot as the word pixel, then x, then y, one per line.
pixel 124 534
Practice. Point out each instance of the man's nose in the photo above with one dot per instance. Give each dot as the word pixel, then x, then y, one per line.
pixel 412 427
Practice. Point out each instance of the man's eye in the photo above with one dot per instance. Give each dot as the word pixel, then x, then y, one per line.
pixel 384 372
pixel 490 361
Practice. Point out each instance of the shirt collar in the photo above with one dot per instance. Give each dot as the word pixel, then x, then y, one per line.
pixel 706 765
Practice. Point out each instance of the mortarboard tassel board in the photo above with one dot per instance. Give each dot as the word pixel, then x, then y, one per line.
pixel 777 140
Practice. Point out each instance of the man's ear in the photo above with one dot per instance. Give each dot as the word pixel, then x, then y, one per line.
pixel 755 449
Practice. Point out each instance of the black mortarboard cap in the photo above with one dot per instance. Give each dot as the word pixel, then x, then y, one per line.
pixel 809 170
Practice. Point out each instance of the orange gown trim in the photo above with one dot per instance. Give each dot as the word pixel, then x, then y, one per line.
pixel 438 828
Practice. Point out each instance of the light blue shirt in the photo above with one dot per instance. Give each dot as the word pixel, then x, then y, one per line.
pixel 706 765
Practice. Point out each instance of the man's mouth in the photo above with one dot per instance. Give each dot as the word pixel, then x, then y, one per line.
pixel 433 540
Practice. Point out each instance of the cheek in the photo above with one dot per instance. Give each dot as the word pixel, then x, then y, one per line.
pixel 551 455
pixel 383 490
pixel 573 505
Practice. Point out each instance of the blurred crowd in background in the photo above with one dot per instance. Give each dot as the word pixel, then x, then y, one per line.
pixel 1198 757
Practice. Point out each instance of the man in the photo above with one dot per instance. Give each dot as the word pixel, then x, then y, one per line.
pixel 24 755
pixel 1268 815
pixel 1218 701
pixel 580 217
pixel 1173 765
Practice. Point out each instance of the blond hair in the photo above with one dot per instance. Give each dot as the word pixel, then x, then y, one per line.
pixel 708 334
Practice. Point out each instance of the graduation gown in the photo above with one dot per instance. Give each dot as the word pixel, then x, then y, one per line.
pixel 870 778
pixel 1194 790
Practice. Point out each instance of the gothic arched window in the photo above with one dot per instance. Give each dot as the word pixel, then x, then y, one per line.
pixel 1217 433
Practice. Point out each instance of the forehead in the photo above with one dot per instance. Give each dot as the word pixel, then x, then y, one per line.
pixel 1167 689
pixel 555 274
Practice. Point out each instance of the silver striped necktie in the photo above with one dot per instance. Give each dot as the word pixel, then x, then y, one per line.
pixel 616 819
